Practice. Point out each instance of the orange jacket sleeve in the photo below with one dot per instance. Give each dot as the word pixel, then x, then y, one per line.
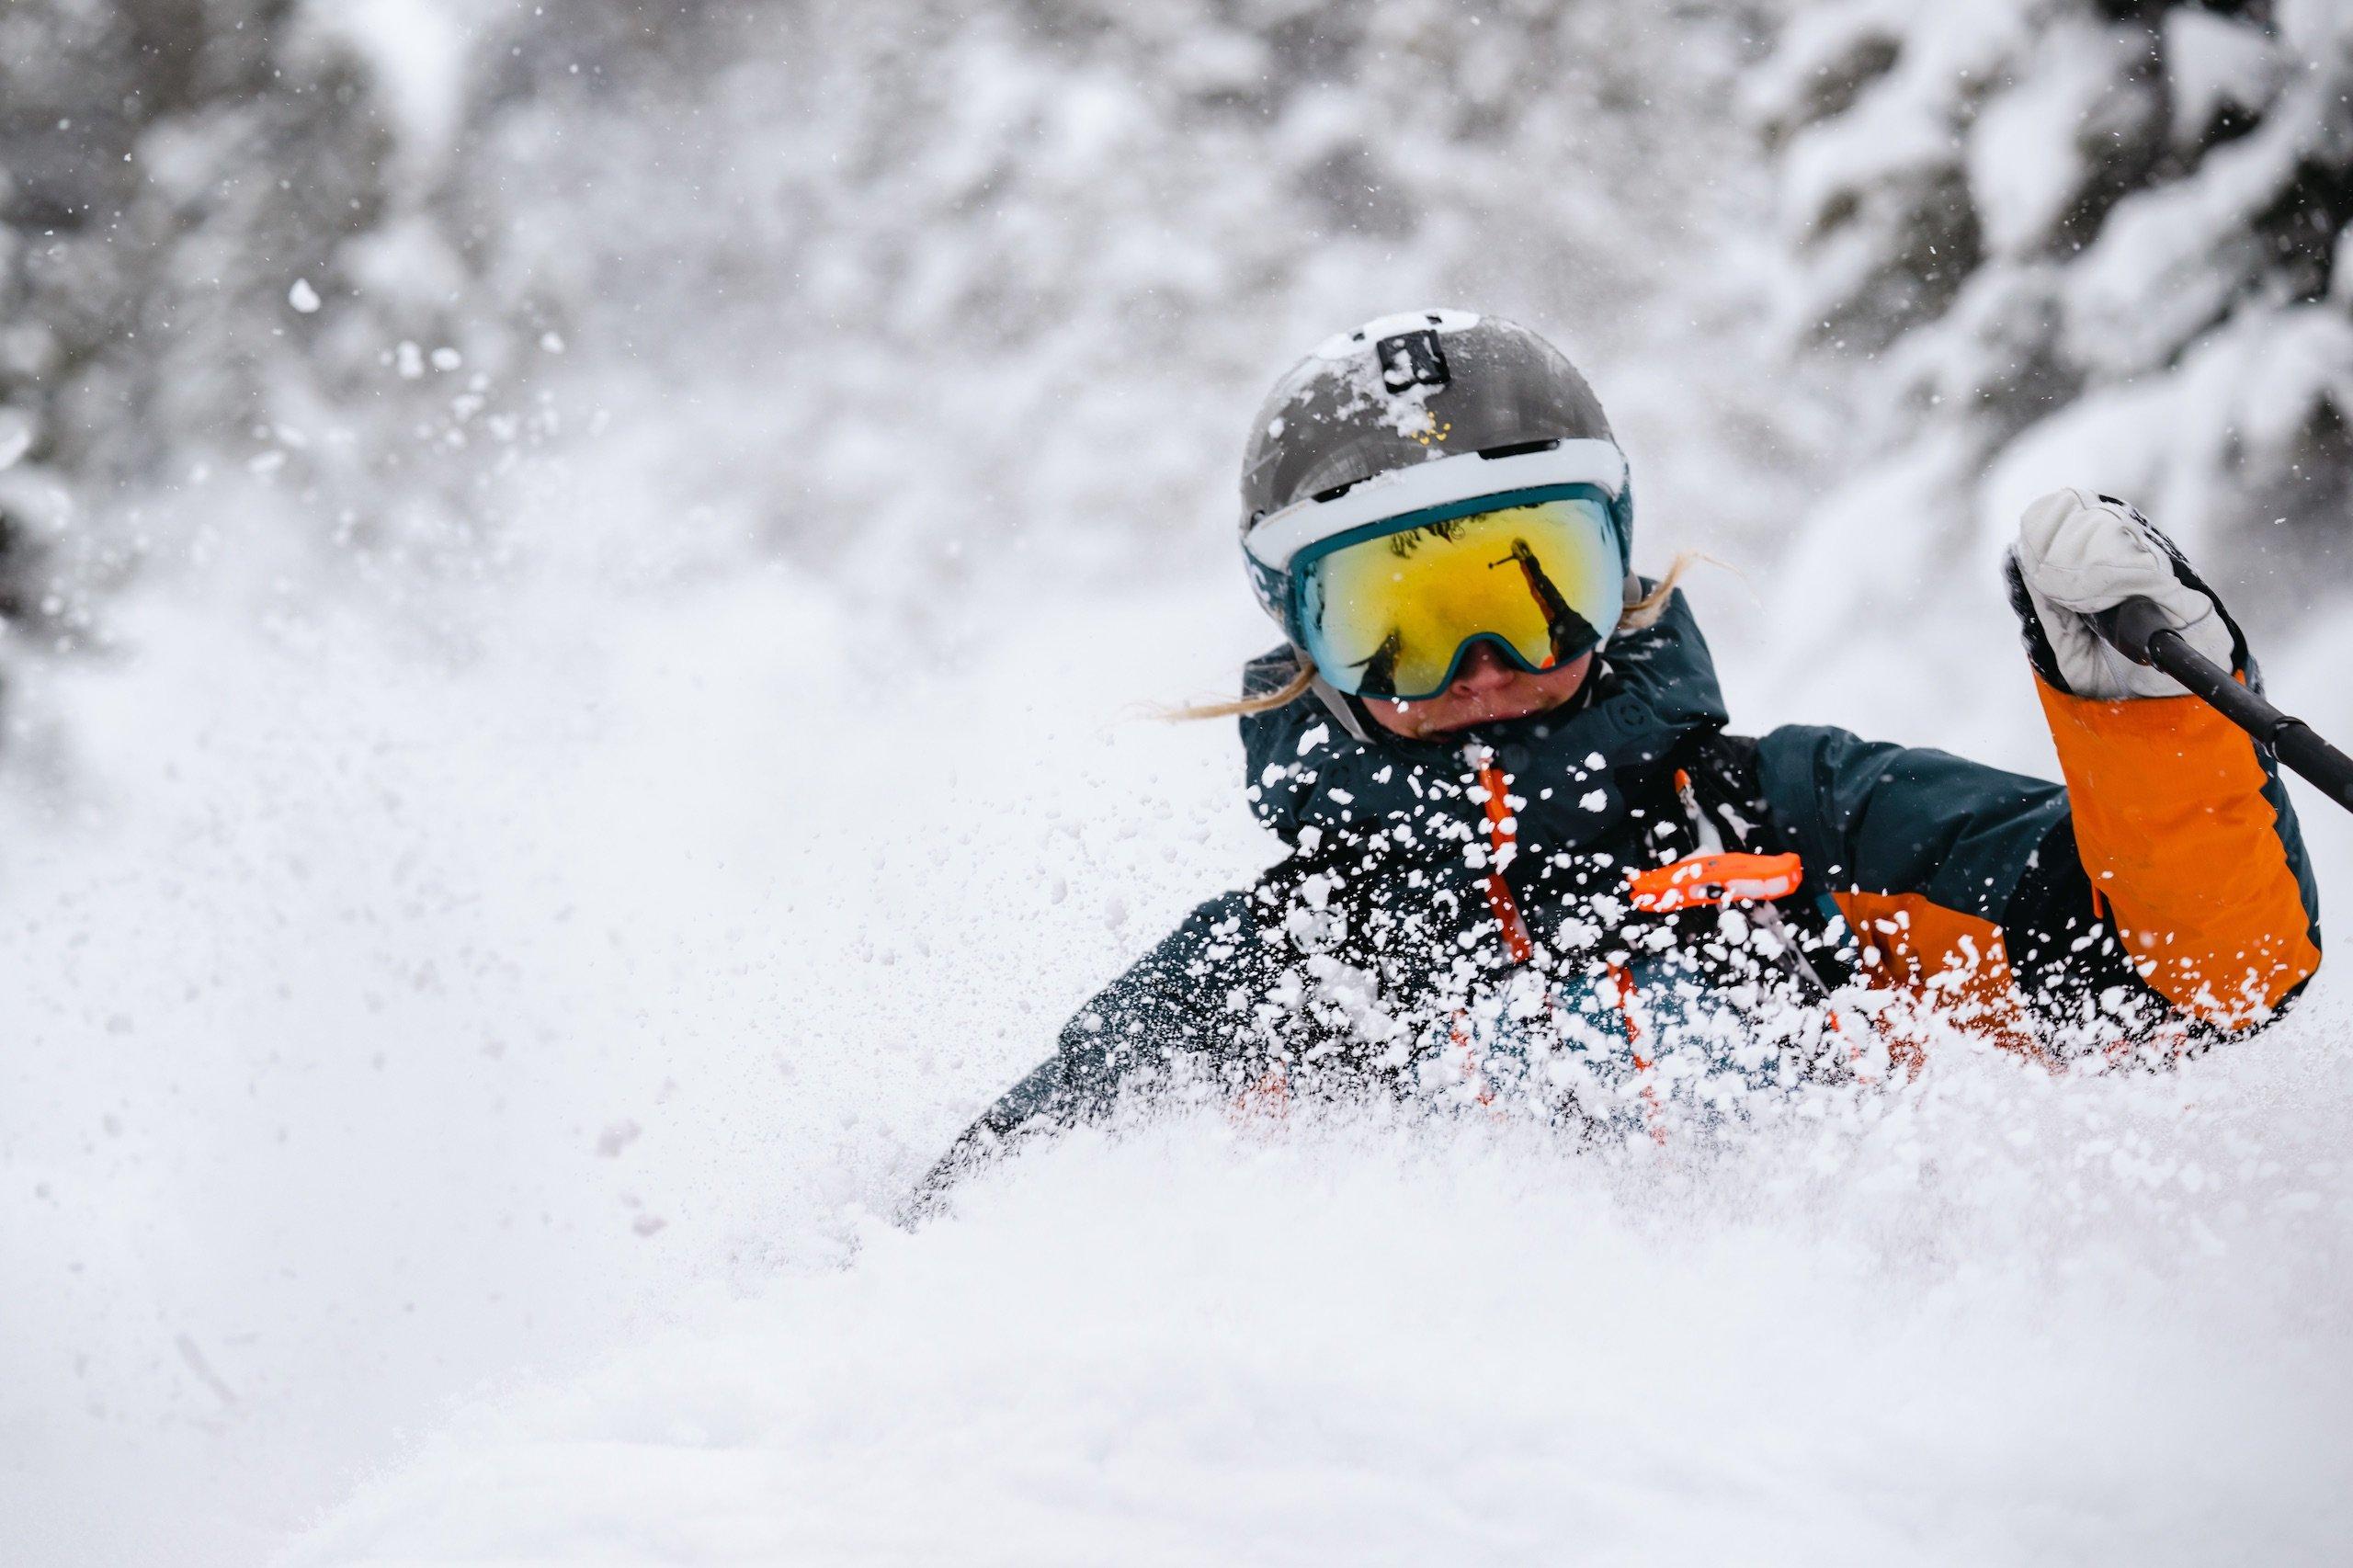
pixel 2186 833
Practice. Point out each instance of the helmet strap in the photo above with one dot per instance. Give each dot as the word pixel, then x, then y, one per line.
pixel 1345 710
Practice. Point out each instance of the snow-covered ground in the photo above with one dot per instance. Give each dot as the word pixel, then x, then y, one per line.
pixel 1386 1344
pixel 485 1073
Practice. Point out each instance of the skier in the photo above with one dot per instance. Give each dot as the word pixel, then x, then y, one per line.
pixel 1530 864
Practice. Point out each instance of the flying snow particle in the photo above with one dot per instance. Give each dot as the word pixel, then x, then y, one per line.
pixel 552 341
pixel 447 359
pixel 302 297
pixel 1593 800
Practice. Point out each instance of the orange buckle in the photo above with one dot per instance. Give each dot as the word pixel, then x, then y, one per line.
pixel 1714 878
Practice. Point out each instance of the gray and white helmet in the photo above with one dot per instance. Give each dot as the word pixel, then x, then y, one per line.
pixel 1413 411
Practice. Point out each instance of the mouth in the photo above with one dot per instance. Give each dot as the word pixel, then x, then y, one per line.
pixel 1482 709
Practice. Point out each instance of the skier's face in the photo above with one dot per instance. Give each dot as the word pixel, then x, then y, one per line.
pixel 1488 690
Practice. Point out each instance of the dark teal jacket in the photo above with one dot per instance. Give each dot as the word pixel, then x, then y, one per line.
pixel 1376 941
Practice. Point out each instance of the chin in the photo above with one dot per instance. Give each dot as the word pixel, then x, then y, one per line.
pixel 1427 716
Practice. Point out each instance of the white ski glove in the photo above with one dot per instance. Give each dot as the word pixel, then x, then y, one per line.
pixel 2079 553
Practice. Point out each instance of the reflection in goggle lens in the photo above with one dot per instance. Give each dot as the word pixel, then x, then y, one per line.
pixel 1393 615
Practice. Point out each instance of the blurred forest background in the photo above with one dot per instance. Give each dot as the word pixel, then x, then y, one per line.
pixel 408 322
pixel 925 273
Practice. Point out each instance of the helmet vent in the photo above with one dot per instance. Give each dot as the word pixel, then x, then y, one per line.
pixel 1519 449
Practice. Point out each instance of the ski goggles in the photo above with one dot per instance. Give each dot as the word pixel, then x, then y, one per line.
pixel 1391 610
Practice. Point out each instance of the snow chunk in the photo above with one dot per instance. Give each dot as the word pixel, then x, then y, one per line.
pixel 302 297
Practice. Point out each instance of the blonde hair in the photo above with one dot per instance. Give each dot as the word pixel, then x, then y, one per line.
pixel 1638 615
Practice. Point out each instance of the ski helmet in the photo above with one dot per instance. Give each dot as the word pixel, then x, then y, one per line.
pixel 1422 415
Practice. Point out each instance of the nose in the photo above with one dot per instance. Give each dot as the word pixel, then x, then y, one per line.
pixel 1483 669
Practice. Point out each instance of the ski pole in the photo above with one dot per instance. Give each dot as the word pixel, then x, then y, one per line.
pixel 2141 631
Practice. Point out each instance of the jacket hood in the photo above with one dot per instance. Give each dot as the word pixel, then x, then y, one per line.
pixel 1654 691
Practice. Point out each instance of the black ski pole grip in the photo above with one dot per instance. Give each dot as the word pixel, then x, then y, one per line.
pixel 2142 633
pixel 2130 625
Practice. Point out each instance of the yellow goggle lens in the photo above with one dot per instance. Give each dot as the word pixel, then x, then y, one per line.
pixel 1393 615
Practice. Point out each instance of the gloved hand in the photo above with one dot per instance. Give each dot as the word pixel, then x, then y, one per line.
pixel 2079 553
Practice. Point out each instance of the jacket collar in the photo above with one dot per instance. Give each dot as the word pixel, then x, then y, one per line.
pixel 1655 689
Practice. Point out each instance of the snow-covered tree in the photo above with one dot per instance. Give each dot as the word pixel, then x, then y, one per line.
pixel 230 256
pixel 866 285
pixel 2078 241
pixel 954 275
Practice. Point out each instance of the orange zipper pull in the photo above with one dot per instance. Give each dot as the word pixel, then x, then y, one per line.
pixel 1698 880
